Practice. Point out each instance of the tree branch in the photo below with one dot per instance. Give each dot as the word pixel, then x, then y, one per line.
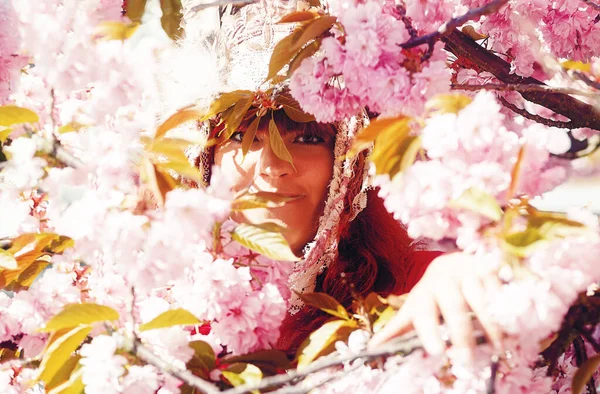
pixel 184 375
pixel 580 114
pixel 405 345
pixel 452 24
pixel 537 118
pixel 592 4
pixel 522 88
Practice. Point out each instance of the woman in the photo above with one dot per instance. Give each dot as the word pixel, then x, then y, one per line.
pixel 332 221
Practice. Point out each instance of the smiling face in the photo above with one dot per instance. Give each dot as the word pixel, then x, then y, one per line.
pixel 311 147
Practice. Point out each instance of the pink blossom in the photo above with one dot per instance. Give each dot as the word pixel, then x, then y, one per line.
pixel 101 368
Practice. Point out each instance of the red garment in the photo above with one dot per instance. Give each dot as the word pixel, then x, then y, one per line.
pixel 295 328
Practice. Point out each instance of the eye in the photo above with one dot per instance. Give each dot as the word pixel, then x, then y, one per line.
pixel 310 139
pixel 237 136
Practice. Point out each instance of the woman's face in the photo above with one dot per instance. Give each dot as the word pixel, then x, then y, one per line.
pixel 262 170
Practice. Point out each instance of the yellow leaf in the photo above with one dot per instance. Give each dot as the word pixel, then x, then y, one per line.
pixel 278 145
pixel 283 53
pixel 367 135
pixel 168 146
pixel 235 117
pixel 242 373
pixel 7 260
pixel 11 115
pixel 395 148
pixel 471 32
pixel 320 342
pixel 183 115
pixel 298 16
pixel 523 243
pixel 312 30
pixel 249 136
pixel 448 103
pixel 268 243
pixel 170 318
pixel 226 101
pixel 152 178
pixel 73 386
pixel 326 303
pixel 28 275
pixel 384 318
pixel 64 373
pixel 76 314
pixel 292 109
pixel 179 163
pixel 171 17
pixel 260 200
pixel 305 53
pixel 4 133
pixel 477 200
pixel 578 66
pixel 59 352
pixel 584 373
pixel 116 30
pixel 134 10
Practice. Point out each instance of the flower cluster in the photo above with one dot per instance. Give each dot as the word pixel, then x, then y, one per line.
pixel 368 69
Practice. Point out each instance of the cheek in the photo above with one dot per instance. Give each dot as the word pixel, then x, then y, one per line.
pixel 317 170
pixel 239 172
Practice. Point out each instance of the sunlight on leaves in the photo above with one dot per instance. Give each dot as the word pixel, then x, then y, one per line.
pixel 268 243
pixel 170 318
pixel 76 314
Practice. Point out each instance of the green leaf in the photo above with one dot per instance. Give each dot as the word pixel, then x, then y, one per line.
pixel 76 314
pixel 584 374
pixel 73 386
pixel 242 373
pixel 171 17
pixel 326 303
pixel 384 318
pixel 60 350
pixel 170 318
pixel 249 136
pixel 7 260
pixel 260 200
pixel 523 243
pixel 134 10
pixel 321 342
pixel 268 243
pixel 11 115
pixel 278 145
pixel 203 361
pixel 478 201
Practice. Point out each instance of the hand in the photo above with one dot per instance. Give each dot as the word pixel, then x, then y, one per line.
pixel 454 287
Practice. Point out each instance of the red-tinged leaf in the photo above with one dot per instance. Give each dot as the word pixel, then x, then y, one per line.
pixel 75 314
pixel 326 303
pixel 265 359
pixel 249 136
pixel 584 373
pixel 278 145
pixel 305 53
pixel 170 318
pixel 183 115
pixel 471 32
pixel 59 352
pixel 283 53
pixel 227 100
pixel 321 342
pixel 203 361
pixel 292 109
pixel 171 17
pixel 298 16
pixel 235 117
pixel 312 30
pixel 134 10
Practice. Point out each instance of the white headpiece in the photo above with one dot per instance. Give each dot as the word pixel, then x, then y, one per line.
pixel 233 52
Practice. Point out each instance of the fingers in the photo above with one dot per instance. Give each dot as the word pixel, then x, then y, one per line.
pixel 477 297
pixel 456 313
pixel 400 324
pixel 427 325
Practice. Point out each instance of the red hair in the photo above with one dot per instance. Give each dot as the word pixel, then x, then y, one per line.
pixel 374 255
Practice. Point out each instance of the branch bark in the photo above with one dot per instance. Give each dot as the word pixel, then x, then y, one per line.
pixel 579 113
pixel 522 88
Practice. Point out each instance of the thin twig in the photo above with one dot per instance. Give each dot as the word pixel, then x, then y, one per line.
pixel 522 88
pixel 219 3
pixel 298 389
pixel 405 345
pixel 537 118
pixel 184 375
pixel 449 26
pixel 54 148
pixel 592 4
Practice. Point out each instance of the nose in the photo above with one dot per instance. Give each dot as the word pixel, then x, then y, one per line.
pixel 272 165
